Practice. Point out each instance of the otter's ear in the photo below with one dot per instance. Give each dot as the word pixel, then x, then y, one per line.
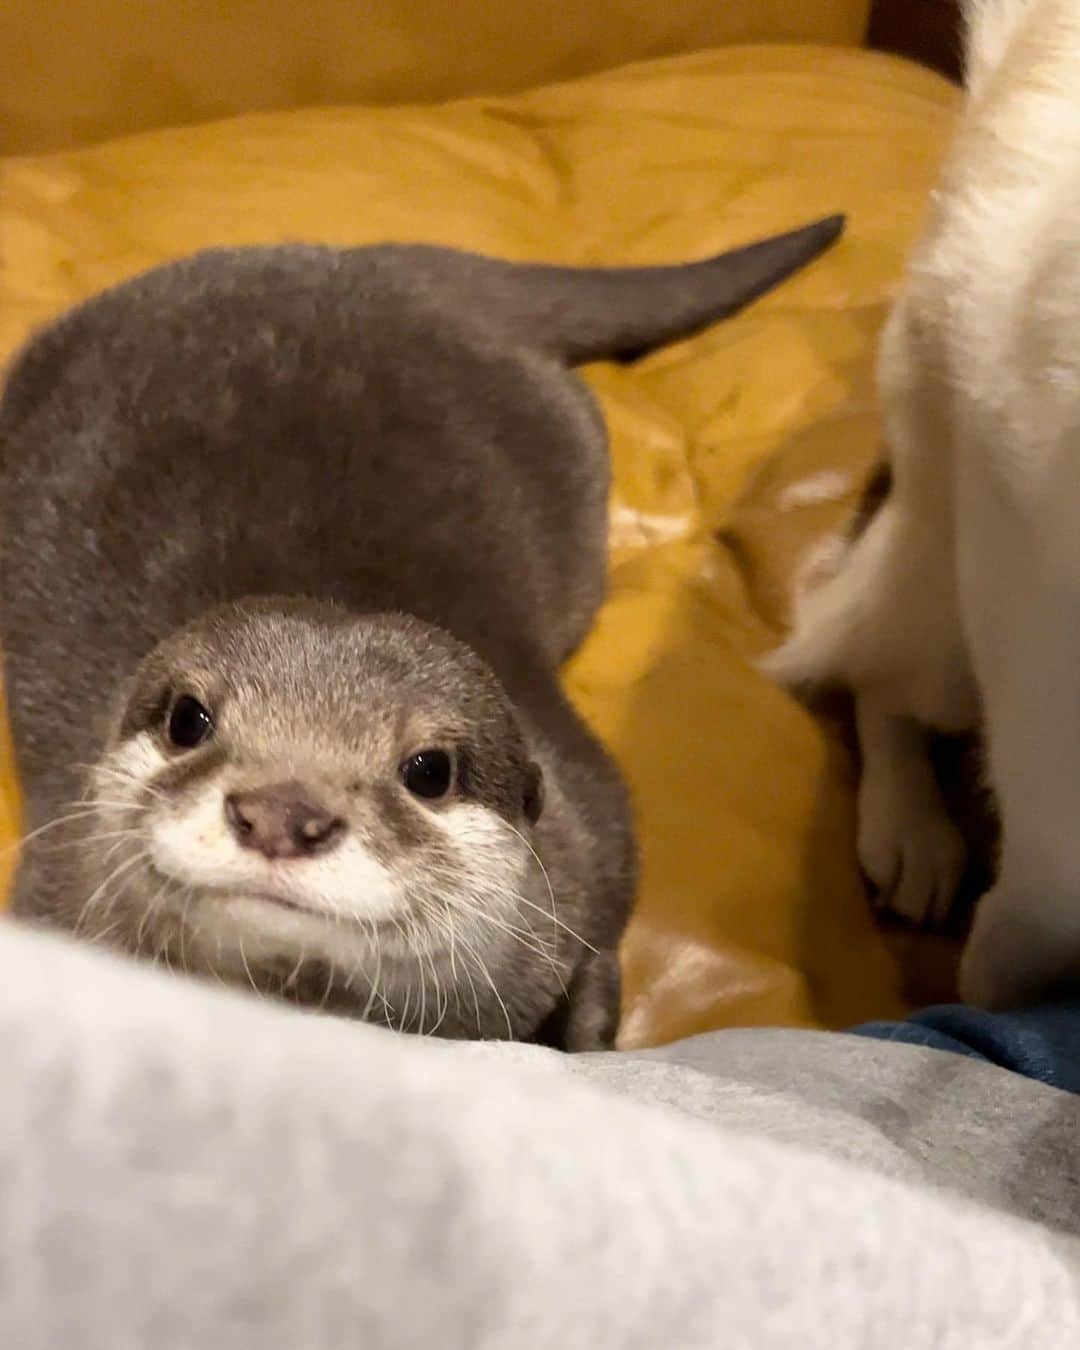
pixel 533 799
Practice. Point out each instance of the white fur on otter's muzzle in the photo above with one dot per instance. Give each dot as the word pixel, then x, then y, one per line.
pixel 343 906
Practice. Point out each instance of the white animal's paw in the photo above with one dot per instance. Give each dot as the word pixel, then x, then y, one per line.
pixel 911 851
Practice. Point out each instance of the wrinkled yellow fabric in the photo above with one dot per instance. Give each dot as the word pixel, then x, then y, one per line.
pixel 86 69
pixel 734 452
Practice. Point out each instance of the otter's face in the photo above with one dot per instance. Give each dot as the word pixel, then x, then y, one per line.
pixel 321 804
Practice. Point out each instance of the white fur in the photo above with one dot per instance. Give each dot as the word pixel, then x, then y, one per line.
pixel 964 592
pixel 138 759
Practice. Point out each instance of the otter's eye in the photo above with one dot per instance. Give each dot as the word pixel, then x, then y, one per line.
pixel 189 723
pixel 428 773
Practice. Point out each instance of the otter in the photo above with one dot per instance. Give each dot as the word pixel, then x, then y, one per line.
pixel 295 540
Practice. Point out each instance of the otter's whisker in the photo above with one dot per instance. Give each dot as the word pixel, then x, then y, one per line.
pixel 291 979
pixel 67 818
pixel 331 975
pixel 80 843
pixel 443 924
pixel 498 907
pixel 551 892
pixel 489 893
pixel 350 975
pixel 425 940
pixel 149 911
pixel 481 965
pixel 117 872
pixel 465 967
pixel 423 983
pixel 161 955
pixel 99 935
pixel 570 932
pixel 374 994
pixel 121 776
pixel 494 889
pixel 453 945
pixel 244 963
pixel 537 949
pixel 121 837
pixel 188 894
pixel 518 935
pixel 406 938
pixel 442 997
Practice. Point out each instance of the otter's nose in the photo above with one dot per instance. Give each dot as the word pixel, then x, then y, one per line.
pixel 282 822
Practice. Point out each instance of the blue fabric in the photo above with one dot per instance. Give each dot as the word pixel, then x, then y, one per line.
pixel 1041 1043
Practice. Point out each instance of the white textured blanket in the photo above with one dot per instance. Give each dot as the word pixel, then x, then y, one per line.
pixel 182 1167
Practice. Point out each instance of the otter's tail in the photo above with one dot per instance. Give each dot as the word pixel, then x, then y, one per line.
pixel 595 313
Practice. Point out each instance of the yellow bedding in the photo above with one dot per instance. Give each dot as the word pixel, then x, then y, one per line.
pixel 88 69
pixel 733 452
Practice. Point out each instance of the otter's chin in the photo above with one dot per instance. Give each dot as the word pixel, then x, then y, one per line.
pixel 256 923
pixel 256 911
pixel 235 930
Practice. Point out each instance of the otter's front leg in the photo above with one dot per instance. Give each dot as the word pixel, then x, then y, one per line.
pixel 587 1016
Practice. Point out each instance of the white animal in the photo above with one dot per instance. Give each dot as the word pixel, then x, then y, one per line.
pixel 961 600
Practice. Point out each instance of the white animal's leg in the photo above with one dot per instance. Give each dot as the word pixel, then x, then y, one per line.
pixel 887 618
pixel 1020 577
pixel 886 625
pixel 908 846
pixel 890 615
pixel 1018 501
pixel 972 570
